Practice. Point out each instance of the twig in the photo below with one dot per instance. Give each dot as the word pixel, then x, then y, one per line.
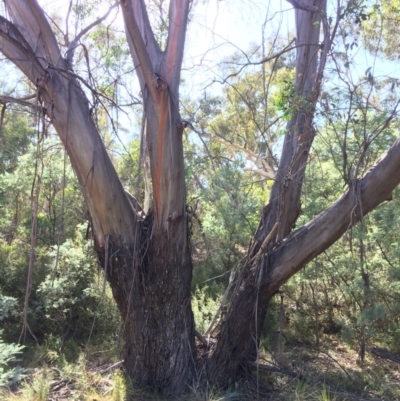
pixel 111 367
pixel 23 101
pixel 275 369
pixel 201 338
pixel 74 43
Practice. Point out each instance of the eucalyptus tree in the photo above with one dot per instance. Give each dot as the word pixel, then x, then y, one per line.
pixel 146 255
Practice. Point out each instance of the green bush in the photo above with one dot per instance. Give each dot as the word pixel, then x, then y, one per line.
pixel 204 308
pixel 70 297
pixel 8 355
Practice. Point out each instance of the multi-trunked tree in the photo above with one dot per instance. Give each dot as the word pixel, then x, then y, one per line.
pixel 147 257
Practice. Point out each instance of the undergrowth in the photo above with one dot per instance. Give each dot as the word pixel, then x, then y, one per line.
pixel 328 373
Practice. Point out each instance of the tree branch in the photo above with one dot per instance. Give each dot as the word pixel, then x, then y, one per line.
pixel 142 19
pixel 144 48
pixel 18 50
pixel 4 99
pixel 178 19
pixel 290 255
pixel 74 43
pixel 29 18
pixel 266 171
pixel 68 109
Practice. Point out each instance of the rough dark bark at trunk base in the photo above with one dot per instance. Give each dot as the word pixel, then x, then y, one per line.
pixel 152 293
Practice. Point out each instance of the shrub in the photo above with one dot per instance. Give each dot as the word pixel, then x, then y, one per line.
pixel 8 355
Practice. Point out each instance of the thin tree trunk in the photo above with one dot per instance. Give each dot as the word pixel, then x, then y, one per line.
pixel 316 315
pixel 239 338
pixel 366 299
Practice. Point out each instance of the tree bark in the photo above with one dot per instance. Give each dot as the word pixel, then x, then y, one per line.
pixel 160 326
pixel 151 285
pixel 240 334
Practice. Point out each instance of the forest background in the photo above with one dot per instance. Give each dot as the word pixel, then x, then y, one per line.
pixel 346 298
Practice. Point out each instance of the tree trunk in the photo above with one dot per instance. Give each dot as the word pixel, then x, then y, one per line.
pixel 155 302
pixel 240 335
pixel 159 325
pixel 147 262
pixel 151 285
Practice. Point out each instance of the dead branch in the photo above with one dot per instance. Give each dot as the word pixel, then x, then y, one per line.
pixel 201 338
pixel 23 101
pixel 384 354
pixel 276 369
pixel 111 367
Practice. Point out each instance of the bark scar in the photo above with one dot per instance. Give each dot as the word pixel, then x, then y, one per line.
pixel 175 217
pixel 161 83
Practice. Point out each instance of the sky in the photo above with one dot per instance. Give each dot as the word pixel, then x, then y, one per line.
pixel 217 30
pixel 220 28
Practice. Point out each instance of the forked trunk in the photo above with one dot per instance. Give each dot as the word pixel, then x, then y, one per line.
pixel 147 260
pixel 151 280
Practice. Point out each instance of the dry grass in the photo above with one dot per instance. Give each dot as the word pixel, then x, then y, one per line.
pixel 332 374
pixel 328 374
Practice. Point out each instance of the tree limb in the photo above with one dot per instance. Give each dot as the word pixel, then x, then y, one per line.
pixel 178 19
pixel 29 18
pixel 4 99
pixel 291 254
pixel 144 48
pixel 74 43
pixel 142 19
pixel 18 50
pixel 68 109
